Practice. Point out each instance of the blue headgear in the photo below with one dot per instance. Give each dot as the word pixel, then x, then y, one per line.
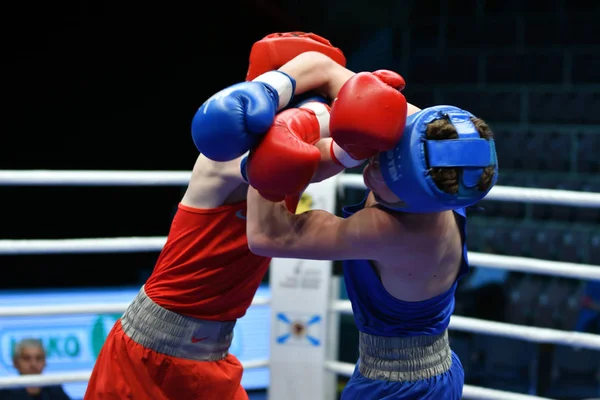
pixel 405 168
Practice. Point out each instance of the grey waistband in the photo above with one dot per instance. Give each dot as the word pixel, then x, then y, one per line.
pixel 166 332
pixel 404 359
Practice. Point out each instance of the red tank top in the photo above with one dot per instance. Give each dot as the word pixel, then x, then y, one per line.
pixel 206 270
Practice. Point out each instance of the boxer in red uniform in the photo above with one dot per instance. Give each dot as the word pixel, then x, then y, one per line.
pixel 172 341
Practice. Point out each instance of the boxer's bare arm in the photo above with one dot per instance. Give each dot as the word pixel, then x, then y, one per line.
pixel 315 71
pixel 214 184
pixel 275 232
pixel 327 167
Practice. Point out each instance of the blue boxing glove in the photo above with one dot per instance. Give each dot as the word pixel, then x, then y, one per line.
pixel 233 121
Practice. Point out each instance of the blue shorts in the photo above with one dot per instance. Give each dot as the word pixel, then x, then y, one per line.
pixel 446 386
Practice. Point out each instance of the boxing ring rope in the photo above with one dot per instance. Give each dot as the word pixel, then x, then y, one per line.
pixel 79 309
pixel 514 331
pixel 510 193
pixel 93 178
pixel 144 244
pixel 177 178
pixel 180 178
pixel 459 323
pixel 75 377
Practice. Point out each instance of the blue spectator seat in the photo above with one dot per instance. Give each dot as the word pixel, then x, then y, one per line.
pixel 587 152
pixel 554 153
pixel 594 248
pixel 505 363
pixel 575 373
pixel 574 246
pixel 507 144
pixel 548 310
pixel 523 298
pixel 545 242
pixel 557 107
pixel 519 241
pixel 569 310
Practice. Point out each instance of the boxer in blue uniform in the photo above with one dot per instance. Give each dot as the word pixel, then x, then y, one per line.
pixel 404 247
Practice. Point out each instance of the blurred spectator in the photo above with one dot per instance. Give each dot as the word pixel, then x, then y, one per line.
pixel 29 358
pixel 589 315
pixel 481 293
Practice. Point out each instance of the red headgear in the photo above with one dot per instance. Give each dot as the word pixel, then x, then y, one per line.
pixel 276 49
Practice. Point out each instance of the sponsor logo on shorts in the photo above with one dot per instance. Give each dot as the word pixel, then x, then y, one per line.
pixel 196 340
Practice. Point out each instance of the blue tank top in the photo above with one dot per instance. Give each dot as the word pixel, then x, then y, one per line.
pixel 377 312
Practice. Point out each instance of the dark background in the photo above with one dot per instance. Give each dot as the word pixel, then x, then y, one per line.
pixel 109 86
pixel 114 85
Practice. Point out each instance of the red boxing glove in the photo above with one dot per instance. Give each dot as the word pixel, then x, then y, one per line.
pixel 276 49
pixel 368 116
pixel 286 159
pixel 292 201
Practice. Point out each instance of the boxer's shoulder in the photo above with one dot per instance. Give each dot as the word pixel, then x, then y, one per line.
pixel 225 211
pixel 214 184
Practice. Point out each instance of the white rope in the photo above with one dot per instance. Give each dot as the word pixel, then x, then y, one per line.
pixel 78 246
pixel 63 309
pixel 78 309
pixel 255 364
pixel 469 392
pixel 527 333
pixel 180 178
pixel 510 193
pixel 93 178
pixel 156 243
pixel 535 266
pixel 43 380
pixel 83 376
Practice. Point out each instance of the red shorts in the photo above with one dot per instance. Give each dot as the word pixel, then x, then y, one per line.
pixel 127 370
